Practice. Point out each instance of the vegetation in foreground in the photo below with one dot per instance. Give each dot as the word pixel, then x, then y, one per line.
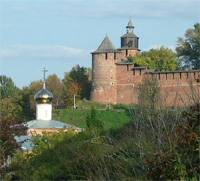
pixel 159 144
pixel 96 154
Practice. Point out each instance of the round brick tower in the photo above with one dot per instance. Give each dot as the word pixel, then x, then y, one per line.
pixel 104 72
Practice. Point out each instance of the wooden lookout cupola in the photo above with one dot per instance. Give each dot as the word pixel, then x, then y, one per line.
pixel 129 42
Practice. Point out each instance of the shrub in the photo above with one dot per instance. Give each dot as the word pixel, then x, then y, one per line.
pixel 182 160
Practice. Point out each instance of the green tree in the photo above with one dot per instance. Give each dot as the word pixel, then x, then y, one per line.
pixel 95 126
pixel 79 156
pixel 89 73
pixel 18 105
pixel 7 87
pixel 77 82
pixel 11 109
pixel 28 110
pixel 33 88
pixel 162 59
pixel 56 87
pixel 188 48
pixel 69 93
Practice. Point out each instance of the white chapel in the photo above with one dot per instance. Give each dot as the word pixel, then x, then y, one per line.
pixel 43 122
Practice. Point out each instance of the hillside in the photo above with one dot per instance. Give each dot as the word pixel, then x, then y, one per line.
pixel 111 118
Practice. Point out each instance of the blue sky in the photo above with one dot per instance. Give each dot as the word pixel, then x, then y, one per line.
pixel 59 34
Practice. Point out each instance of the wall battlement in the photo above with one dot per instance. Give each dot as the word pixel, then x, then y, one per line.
pixel 116 81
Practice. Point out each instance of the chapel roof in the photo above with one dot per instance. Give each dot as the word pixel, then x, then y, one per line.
pixel 49 124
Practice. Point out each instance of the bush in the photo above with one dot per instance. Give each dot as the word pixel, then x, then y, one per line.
pixel 181 161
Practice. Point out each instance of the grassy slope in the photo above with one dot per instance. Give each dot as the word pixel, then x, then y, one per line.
pixel 111 118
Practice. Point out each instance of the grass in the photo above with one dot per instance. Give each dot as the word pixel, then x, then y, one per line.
pixel 111 118
pixel 84 104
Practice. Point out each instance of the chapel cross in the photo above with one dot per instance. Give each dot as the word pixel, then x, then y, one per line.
pixel 44 70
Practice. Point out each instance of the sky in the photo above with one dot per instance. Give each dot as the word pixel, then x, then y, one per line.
pixel 59 34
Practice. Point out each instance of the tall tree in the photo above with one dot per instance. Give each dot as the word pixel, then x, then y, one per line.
pixel 7 87
pixel 33 88
pixel 162 59
pixel 20 107
pixel 188 48
pixel 56 87
pixel 77 82
pixel 28 110
pixel 11 109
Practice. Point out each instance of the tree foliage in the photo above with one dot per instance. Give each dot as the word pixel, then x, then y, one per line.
pixel 28 105
pixel 56 87
pixel 8 144
pixel 188 48
pixel 77 82
pixel 78 157
pixel 11 109
pixel 140 150
pixel 7 87
pixel 95 126
pixel 162 59
pixel 20 107
pixel 181 161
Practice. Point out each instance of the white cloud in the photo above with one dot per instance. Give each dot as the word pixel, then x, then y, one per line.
pixel 111 8
pixel 40 51
pixel 136 8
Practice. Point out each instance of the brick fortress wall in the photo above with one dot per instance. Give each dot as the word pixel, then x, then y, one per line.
pixel 116 81
pixel 177 88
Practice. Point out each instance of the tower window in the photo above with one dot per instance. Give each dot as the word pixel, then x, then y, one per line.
pixel 126 52
pixel 106 56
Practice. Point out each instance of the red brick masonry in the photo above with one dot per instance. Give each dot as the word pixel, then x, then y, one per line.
pixel 117 82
